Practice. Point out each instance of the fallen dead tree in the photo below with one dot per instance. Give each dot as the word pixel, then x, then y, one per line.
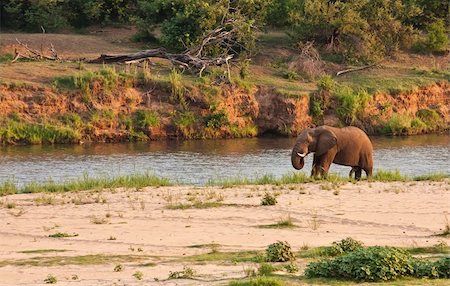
pixel 195 58
pixel 33 54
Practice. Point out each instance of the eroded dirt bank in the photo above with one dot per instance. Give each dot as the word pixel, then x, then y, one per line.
pixel 157 230
pixel 133 111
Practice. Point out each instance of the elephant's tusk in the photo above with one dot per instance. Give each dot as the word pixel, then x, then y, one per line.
pixel 302 155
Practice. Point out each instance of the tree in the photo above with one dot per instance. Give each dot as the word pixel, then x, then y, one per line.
pixel 361 30
pixel 184 22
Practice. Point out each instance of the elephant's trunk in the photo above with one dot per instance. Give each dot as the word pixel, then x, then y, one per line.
pixel 297 161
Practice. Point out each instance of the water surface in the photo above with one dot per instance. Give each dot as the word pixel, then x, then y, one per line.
pixel 195 162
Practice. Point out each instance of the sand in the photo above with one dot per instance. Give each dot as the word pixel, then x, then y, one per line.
pixel 132 227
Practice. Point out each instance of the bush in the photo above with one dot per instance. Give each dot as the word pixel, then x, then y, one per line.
pixel 432 120
pixel 269 200
pixel 344 246
pixel 432 269
pixel 437 38
pixel 367 264
pixel 351 103
pixel 144 119
pixel 279 252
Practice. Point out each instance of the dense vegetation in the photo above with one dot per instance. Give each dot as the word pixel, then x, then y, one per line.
pixel 356 30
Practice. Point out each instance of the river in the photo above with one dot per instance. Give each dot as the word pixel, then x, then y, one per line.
pixel 195 162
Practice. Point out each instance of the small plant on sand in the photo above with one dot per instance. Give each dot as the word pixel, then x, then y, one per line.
pixel 291 268
pixel 50 279
pixel 62 234
pixel 138 275
pixel 99 220
pixel 186 273
pixel 446 230
pixel 279 251
pixel 10 205
pixel 118 268
pixel 269 199
pixel 266 269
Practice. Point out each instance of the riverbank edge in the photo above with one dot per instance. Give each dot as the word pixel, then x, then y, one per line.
pixel 126 111
pixel 139 181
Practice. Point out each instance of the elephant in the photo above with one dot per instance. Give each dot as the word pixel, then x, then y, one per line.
pixel 348 146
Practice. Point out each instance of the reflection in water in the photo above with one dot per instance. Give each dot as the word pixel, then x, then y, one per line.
pixel 197 161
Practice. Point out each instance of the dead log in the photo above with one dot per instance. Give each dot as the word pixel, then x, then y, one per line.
pixel 353 69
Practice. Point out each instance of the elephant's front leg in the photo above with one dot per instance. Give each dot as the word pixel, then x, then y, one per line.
pixel 315 171
pixel 325 162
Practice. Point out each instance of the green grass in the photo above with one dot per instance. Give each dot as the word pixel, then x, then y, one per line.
pixel 42 251
pixel 392 79
pixel 87 183
pixel 95 259
pixel 196 205
pixel 436 177
pixel 231 257
pixel 389 176
pixel 13 132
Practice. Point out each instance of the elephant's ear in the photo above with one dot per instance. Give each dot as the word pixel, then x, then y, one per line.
pixel 326 139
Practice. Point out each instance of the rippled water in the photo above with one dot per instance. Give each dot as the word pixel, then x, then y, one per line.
pixel 195 162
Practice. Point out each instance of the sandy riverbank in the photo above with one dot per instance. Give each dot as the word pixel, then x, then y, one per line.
pixel 153 226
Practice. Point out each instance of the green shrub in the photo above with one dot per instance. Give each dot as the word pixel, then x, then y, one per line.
pixel 367 264
pixel 269 200
pixel 432 120
pixel 279 251
pixel 432 269
pixel 326 82
pixel 351 103
pixel 398 124
pixel 21 132
pixel 437 38
pixel 217 119
pixel 291 75
pixel 344 246
pixel 8 188
pixel 266 269
pixel 143 119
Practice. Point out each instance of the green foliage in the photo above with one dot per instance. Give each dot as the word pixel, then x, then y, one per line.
pixel 360 30
pixel 177 87
pixel 437 38
pixel 87 183
pixel 432 269
pixel 62 234
pixel 56 15
pixel 344 246
pixel 366 264
pixel 326 82
pixel 389 176
pixel 266 269
pixel 8 188
pixel 269 199
pixel 403 124
pixel 351 103
pixel 217 119
pixel 13 131
pixel 183 23
pixel 279 251
pixel 432 120
pixel 291 268
pixel 143 119
pixel 291 75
